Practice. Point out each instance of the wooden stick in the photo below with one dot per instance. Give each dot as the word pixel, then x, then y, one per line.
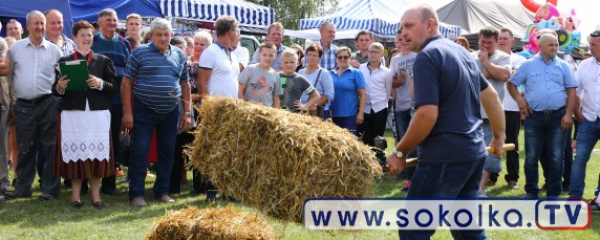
pixel 413 161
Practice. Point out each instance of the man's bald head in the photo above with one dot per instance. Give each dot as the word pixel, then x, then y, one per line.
pixel 548 45
pixel 547 38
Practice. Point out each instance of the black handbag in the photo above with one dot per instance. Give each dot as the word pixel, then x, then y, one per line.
pixel 124 151
pixel 320 109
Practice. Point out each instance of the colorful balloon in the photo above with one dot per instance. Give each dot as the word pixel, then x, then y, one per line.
pixel 532 6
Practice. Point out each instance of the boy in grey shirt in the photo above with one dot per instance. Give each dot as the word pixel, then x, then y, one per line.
pixel 259 82
pixel 295 84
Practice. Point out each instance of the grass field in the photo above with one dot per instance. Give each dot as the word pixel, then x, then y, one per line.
pixel 31 219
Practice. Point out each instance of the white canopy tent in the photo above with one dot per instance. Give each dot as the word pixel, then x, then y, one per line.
pixel 381 17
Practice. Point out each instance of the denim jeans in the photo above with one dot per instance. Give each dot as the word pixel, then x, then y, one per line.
pixel 446 180
pixel 402 122
pixel 544 128
pixel 587 137
pixel 492 162
pixel 513 125
pixel 347 123
pixel 144 122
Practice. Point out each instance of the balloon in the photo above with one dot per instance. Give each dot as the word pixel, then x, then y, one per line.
pixel 564 38
pixel 571 22
pixel 526 54
pixel 529 30
pixel 552 23
pixel 545 12
pixel 532 6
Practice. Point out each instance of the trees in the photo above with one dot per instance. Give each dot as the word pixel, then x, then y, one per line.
pixel 289 12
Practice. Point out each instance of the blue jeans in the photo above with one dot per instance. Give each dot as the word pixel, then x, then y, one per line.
pixel 544 128
pixel 402 122
pixel 346 122
pixel 492 162
pixel 587 137
pixel 144 122
pixel 446 180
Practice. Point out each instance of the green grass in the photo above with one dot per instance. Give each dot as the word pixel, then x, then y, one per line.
pixel 31 219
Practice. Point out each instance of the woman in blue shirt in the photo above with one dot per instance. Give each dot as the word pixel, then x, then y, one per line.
pixel 350 95
pixel 320 78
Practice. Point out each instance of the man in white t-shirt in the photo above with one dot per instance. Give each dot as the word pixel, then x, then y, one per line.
pixel 241 53
pixel 511 112
pixel 218 67
pixel 495 67
pixel 218 70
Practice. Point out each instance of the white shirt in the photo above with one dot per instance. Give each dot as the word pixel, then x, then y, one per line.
pixel 588 79
pixel 32 68
pixel 509 103
pixel 225 70
pixel 242 55
pixel 378 87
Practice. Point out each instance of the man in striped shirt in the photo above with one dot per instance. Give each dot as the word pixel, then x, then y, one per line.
pixel 161 85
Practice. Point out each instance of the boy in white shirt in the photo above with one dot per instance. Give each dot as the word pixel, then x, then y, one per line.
pixel 379 89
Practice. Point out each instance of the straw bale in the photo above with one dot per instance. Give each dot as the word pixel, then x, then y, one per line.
pixel 224 223
pixel 274 159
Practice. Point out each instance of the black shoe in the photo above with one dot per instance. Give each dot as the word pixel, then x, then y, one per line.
pixel 14 182
pixel 99 205
pixel 76 204
pixel 46 197
pixel 211 196
pixel 14 195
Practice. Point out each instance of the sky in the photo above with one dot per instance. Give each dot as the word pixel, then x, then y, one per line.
pixel 585 10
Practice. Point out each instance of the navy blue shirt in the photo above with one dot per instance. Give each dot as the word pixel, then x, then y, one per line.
pixel 447 76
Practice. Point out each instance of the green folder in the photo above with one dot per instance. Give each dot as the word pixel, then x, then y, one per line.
pixel 77 73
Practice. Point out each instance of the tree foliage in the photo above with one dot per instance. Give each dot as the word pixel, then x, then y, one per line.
pixel 289 12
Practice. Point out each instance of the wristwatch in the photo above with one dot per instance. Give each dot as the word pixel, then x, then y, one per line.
pixel 399 154
pixel 189 113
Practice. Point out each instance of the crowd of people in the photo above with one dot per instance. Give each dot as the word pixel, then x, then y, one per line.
pixel 442 96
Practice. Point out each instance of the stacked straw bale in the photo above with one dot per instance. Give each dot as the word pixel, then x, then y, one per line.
pixel 274 160
pixel 223 223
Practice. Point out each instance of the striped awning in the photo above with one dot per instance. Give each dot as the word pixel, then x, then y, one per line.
pixel 248 14
pixel 381 17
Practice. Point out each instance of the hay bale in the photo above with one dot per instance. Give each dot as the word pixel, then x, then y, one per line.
pixel 223 223
pixel 274 160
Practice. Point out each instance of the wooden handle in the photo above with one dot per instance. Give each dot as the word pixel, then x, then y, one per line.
pixel 413 161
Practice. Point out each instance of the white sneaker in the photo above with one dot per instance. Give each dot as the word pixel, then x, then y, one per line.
pixel 481 194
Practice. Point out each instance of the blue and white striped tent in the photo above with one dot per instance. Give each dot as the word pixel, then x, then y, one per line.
pixel 381 17
pixel 248 14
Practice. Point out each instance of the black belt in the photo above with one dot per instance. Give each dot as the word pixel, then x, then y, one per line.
pixel 35 100
pixel 551 112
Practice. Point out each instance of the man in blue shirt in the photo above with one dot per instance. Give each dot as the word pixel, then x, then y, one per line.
pixel 327 31
pixel 549 103
pixel 161 85
pixel 448 92
pixel 115 47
